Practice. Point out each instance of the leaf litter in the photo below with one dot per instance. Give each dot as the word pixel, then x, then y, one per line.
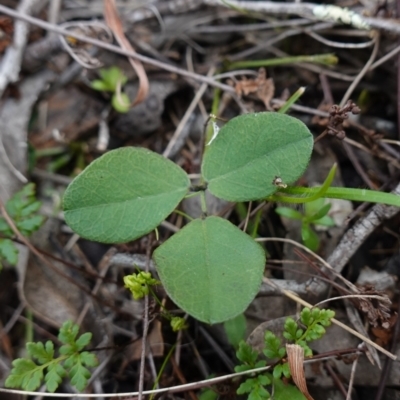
pixel 59 115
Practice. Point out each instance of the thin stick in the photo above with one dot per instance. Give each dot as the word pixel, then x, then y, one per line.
pixel 353 296
pixel 352 375
pixel 246 221
pixel 306 249
pixel 179 388
pixel 307 10
pixel 11 61
pixel 385 58
pixel 172 389
pixel 187 115
pixel 145 322
pixel 361 73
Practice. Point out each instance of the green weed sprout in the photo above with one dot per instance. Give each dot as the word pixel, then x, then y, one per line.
pixel 112 80
pixel 140 285
pixel 72 362
pixel 315 213
pixel 22 208
pixel 311 327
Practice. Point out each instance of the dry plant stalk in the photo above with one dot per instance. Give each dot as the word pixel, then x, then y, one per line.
pixel 114 23
pixel 295 354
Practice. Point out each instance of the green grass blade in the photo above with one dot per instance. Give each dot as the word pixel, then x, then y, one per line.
pixel 325 59
pixel 362 195
pixel 292 99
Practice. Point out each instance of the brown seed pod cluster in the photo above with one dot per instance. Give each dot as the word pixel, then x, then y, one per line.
pixel 337 115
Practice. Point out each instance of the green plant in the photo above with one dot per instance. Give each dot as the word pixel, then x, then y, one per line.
pixel 310 327
pixel 210 268
pixel 112 80
pixel 315 213
pixel 22 208
pixel 325 59
pixel 72 362
pixel 140 285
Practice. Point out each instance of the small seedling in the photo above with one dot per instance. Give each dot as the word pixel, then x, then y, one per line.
pixel 72 362
pixel 315 213
pixel 22 208
pixel 112 80
pixel 311 327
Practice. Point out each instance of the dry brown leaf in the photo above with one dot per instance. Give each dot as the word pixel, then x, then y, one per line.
pixel 6 30
pixel 376 310
pixel 295 355
pixel 114 23
pixel 263 88
pixel 155 340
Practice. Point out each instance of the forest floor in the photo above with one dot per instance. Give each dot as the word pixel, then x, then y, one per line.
pixel 192 59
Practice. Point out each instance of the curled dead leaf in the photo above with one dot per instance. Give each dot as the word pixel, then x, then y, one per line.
pixel 262 87
pixel 114 23
pixel 377 310
pixel 295 354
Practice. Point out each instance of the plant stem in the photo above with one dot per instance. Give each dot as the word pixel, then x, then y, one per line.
pixel 214 111
pixel 162 369
pixel 293 98
pixel 325 59
pixel 203 202
pixel 362 195
pixel 183 214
